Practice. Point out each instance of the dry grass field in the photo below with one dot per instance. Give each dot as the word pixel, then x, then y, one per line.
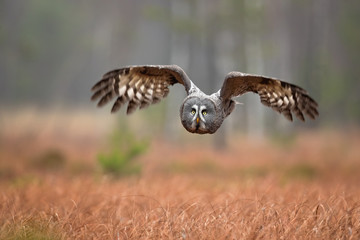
pixel 306 187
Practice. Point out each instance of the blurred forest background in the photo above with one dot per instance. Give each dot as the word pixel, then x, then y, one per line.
pixel 52 52
pixel 69 170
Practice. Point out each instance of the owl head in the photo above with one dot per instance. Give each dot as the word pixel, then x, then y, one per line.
pixel 199 115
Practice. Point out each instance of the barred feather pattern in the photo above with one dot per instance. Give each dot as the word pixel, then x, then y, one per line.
pixel 132 85
pixel 283 97
pixel 290 100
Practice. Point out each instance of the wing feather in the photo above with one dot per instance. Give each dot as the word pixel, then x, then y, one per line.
pixel 140 86
pixel 281 96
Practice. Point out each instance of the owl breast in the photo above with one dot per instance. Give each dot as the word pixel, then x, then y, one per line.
pixel 200 115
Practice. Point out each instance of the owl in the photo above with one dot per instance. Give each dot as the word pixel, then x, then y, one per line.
pixel 141 86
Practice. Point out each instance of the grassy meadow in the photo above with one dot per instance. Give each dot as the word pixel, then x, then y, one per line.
pixel 64 182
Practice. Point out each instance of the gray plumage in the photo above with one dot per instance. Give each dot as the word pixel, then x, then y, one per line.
pixel 200 113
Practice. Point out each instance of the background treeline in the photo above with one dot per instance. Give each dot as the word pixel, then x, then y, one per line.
pixel 53 51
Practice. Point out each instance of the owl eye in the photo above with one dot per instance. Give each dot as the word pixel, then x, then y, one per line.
pixel 193 111
pixel 204 112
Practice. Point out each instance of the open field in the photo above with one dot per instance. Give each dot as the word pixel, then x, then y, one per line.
pixel 306 187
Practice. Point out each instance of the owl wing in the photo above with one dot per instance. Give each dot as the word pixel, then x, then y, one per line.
pixel 139 85
pixel 283 97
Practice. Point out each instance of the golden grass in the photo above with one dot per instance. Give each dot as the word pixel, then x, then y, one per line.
pixel 179 207
pixel 308 189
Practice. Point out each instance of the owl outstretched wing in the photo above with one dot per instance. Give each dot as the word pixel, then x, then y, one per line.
pixel 140 86
pixel 283 97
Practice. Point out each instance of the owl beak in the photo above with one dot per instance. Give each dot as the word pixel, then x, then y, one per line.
pixel 197 120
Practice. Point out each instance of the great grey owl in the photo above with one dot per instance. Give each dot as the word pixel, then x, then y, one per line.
pixel 199 113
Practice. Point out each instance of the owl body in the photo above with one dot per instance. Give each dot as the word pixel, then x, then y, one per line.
pixel 200 113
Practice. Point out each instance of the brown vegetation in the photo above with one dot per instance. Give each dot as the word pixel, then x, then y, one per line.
pixel 178 208
pixel 306 188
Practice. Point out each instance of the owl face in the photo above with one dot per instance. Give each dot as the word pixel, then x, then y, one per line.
pixel 198 115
